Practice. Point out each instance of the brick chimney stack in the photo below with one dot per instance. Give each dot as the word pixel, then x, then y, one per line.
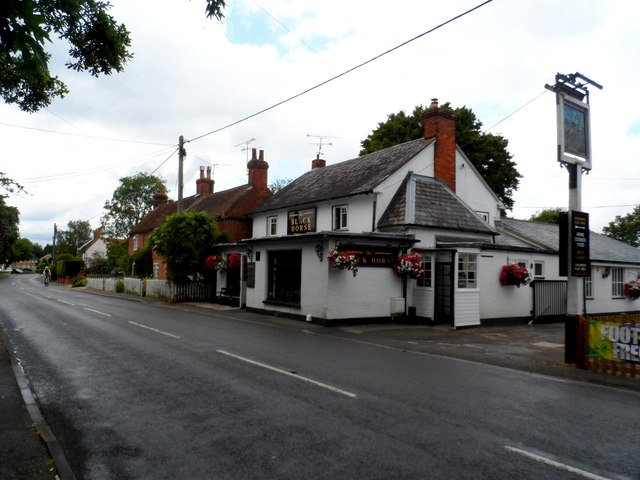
pixel 258 167
pixel 159 198
pixel 318 163
pixel 441 125
pixel 204 185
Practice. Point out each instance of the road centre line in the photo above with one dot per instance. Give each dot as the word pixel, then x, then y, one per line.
pixel 97 311
pixel 553 463
pixel 154 330
pixel 289 374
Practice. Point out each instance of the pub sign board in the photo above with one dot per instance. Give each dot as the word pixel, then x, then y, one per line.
pixel 371 256
pixel 301 221
pixel 580 259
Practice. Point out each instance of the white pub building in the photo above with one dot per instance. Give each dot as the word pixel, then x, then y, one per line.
pixel 425 197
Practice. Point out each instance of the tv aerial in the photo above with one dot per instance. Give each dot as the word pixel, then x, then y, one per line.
pixel 320 142
pixel 246 144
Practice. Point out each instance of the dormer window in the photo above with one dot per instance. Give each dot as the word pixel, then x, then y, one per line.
pixel 340 216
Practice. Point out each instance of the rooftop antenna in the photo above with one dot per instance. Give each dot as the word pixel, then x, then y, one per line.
pixel 320 142
pixel 246 146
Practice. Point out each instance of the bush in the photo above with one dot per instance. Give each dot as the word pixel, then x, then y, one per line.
pixel 79 282
pixel 119 286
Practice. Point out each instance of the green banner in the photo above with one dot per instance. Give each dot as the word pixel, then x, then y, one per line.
pixel 614 341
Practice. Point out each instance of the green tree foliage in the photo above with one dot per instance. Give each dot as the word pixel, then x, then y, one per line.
pixel 118 256
pixel 131 201
pixel 486 151
pixel 185 240
pixel 9 233
pixel 141 263
pixel 548 215
pixel 279 183
pixel 97 44
pixel 625 228
pixel 23 249
pixel 77 234
pixel 9 185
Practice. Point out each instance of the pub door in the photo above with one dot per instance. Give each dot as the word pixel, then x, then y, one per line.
pixel 443 301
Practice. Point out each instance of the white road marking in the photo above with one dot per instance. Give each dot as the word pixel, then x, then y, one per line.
pixel 64 301
pixel 154 330
pixel 553 463
pixel 289 374
pixel 97 311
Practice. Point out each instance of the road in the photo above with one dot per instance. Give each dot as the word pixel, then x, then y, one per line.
pixel 148 391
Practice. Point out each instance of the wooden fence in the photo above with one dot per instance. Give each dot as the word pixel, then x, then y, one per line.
pixel 609 344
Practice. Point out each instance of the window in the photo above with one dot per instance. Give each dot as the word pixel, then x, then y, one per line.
pixel 484 216
pixel 156 271
pixel 617 282
pixel 285 275
pixel 340 217
pixel 136 242
pixel 272 226
pixel 467 269
pixel 588 285
pixel 538 269
pixel 424 280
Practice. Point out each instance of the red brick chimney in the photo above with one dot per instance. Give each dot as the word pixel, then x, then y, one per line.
pixel 160 198
pixel 204 186
pixel 258 171
pixel 441 125
pixel 318 163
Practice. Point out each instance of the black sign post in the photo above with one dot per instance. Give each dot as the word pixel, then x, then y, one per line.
pixel 580 259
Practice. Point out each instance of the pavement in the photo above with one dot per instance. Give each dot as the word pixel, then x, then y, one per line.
pixel 29 451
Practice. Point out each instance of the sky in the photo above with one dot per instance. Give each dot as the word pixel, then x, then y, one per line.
pixel 208 81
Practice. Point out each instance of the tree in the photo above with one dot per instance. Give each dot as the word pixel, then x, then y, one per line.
pixel 77 234
pixel 548 215
pixel 9 185
pixel 9 233
pixel 23 249
pixel 131 201
pixel 279 183
pixel 185 240
pixel 97 44
pixel 487 152
pixel 625 228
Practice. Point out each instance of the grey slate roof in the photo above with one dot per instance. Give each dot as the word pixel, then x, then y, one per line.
pixel 546 236
pixel 352 177
pixel 434 206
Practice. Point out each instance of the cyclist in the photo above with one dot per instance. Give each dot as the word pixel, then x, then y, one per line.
pixel 47 275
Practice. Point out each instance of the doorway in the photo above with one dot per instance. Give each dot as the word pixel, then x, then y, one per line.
pixel 443 301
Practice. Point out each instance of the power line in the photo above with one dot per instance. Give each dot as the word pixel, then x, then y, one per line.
pixel 94 137
pixel 304 92
pixel 284 26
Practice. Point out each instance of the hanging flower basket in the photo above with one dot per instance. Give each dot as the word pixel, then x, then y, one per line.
pixel 216 262
pixel 409 264
pixel 514 274
pixel 343 260
pixel 233 260
pixel 632 290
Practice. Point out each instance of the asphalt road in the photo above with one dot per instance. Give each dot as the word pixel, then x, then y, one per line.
pixel 145 391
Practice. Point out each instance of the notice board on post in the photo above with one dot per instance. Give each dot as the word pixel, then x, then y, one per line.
pixel 580 258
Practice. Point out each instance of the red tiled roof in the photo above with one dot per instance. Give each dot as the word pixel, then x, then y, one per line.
pixel 218 205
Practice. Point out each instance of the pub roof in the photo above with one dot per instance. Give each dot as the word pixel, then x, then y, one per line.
pixel 352 177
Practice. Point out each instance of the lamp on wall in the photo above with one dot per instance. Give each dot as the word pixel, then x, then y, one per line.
pixel 606 272
pixel 249 252
pixel 319 251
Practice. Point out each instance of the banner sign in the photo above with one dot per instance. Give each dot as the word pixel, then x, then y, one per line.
pixel 614 341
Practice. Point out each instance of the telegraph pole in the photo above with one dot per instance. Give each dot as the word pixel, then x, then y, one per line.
pixel 181 154
pixel 574 153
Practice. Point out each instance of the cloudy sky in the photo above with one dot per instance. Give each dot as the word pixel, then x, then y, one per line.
pixel 195 77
